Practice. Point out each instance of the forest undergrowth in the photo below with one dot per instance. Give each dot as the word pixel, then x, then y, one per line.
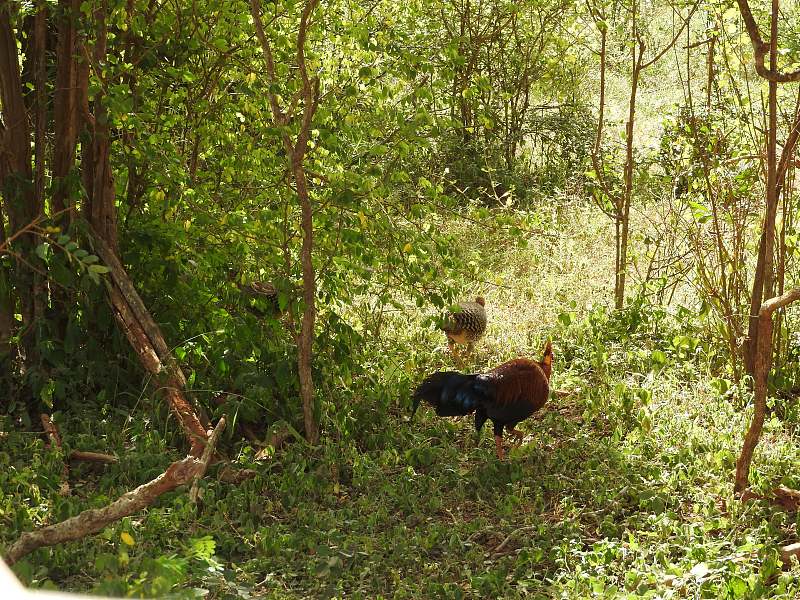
pixel 621 488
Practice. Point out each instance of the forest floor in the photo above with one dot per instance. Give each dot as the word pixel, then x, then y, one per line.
pixel 622 487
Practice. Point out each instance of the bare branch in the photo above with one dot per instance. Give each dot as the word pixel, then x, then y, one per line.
pixel 666 48
pixel 761 48
pixel 95 519
pixel 208 452
pixel 96 457
pixel 277 113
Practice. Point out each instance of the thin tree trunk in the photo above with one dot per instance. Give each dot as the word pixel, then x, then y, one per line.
pixel 624 213
pixel 762 364
pixel 306 340
pixel 102 212
pixel 296 150
pixel 66 103
pixel 622 205
pixel 6 301
pixel 772 164
pixel 763 279
pixel 40 115
pixel 602 101
pixel 710 73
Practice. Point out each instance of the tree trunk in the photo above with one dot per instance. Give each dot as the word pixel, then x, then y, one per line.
pixel 65 104
pixel 762 364
pixel 624 207
pixel 710 72
pixel 763 278
pixel 100 207
pixel 296 151
pixel 6 302
pixel 40 114
pixel 16 181
pixel 306 338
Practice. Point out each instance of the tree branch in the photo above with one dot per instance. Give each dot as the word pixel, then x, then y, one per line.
pixel 95 519
pixel 761 48
pixel 208 452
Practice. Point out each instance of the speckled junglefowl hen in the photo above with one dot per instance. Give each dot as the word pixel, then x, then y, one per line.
pixel 466 325
pixel 505 395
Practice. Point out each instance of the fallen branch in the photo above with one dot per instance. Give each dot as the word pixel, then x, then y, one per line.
pixel 95 519
pixel 788 498
pixel 208 452
pixel 96 457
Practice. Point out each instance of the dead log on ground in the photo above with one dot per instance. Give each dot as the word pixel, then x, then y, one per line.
pixel 95 519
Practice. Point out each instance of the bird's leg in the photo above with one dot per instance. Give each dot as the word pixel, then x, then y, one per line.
pixel 480 419
pixel 517 434
pixel 477 438
pixel 451 346
pixel 455 352
pixel 498 444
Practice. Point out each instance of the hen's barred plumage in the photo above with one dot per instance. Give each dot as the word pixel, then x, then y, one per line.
pixel 467 324
pixel 506 395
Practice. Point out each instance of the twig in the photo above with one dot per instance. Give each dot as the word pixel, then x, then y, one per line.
pixel 208 452
pixel 511 536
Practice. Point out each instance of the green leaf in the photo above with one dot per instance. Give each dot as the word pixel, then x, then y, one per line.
pixel 658 357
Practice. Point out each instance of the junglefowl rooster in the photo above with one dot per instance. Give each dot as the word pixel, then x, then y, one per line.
pixel 465 325
pixel 505 395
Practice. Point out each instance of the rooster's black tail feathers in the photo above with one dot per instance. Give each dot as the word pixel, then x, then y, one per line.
pixel 451 393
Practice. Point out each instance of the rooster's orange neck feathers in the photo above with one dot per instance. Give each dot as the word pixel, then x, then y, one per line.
pixel 547 360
